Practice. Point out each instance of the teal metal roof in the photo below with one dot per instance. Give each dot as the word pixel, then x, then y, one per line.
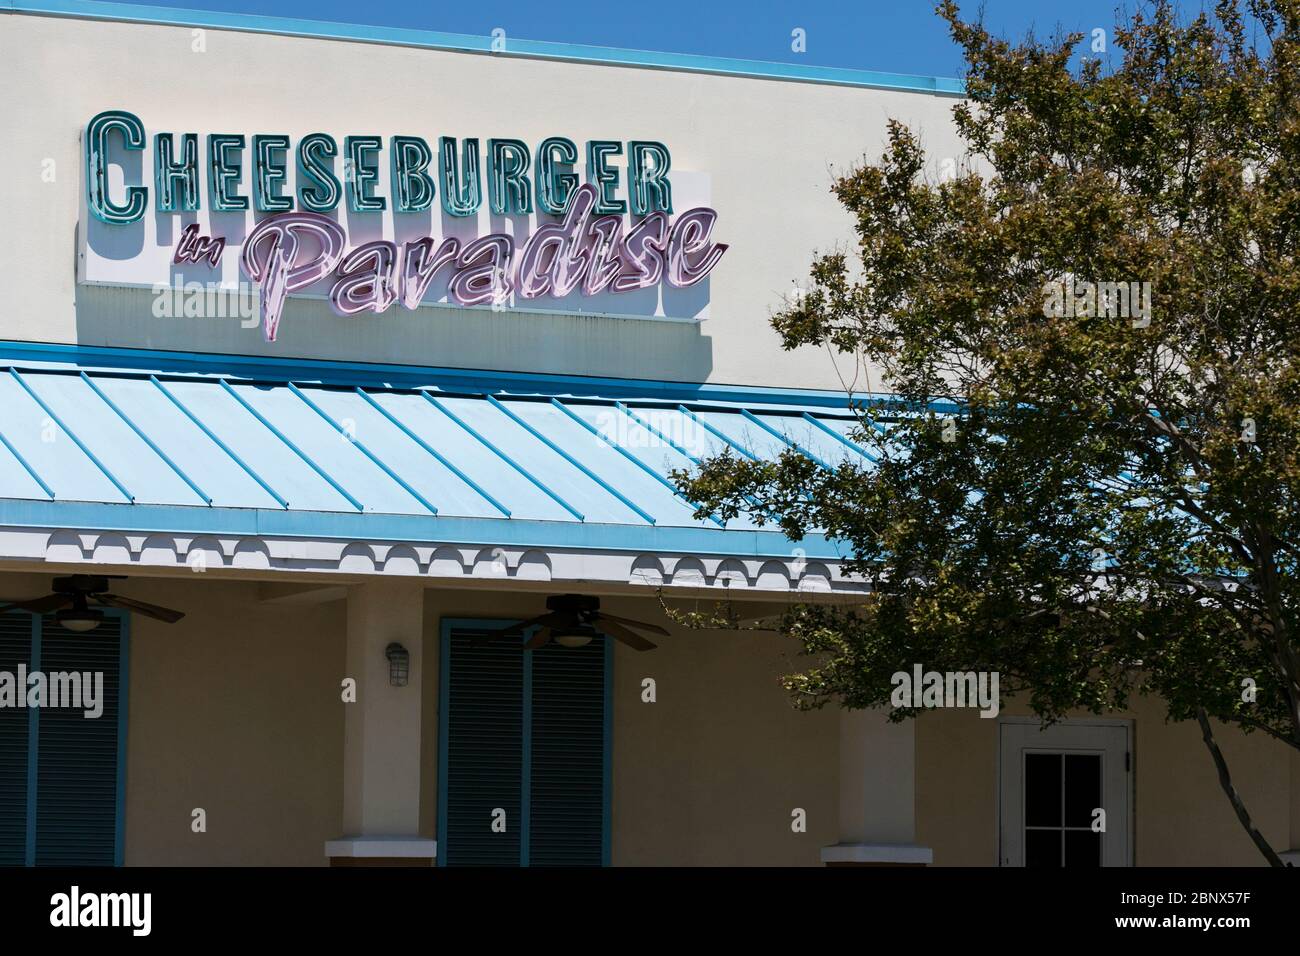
pixel 430 457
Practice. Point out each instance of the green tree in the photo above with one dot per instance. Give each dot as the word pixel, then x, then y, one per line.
pixel 1095 494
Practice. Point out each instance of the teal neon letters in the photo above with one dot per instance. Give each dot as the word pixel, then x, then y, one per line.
pixel 362 173
pixel 648 184
pixel 225 171
pixel 604 177
pixel 319 190
pixel 509 191
pixel 96 145
pixel 461 189
pixel 412 185
pixel 176 185
pixel 553 185
pixel 269 161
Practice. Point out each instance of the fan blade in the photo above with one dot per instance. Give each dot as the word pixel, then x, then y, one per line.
pixel 639 625
pixel 51 602
pixel 148 610
pixel 619 632
pixel 545 620
pixel 539 639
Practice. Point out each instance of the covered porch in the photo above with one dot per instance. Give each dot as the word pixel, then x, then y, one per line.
pixel 306 519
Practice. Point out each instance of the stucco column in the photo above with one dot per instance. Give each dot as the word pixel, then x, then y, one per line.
pixel 382 730
pixel 877 793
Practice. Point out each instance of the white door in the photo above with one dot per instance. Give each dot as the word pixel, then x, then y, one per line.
pixel 1065 793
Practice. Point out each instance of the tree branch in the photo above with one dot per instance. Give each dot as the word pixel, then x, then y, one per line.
pixel 1225 781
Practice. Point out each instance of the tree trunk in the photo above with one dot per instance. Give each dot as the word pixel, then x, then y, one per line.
pixel 1225 781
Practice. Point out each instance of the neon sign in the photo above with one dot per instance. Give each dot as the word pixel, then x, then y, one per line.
pixel 550 233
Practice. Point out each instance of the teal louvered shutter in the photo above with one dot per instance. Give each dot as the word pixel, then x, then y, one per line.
pixel 525 732
pixel 15 649
pixel 567 782
pixel 77 757
pixel 484 748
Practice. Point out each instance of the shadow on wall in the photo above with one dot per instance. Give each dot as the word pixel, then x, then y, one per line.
pixel 432 335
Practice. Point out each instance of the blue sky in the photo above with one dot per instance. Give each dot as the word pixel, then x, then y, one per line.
pixel 897 36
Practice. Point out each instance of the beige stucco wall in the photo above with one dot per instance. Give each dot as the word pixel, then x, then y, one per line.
pixel 770 147
pixel 237 710
pixel 1182 817
pixel 1295 800
pixel 234 710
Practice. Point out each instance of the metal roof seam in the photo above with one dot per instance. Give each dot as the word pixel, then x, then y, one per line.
pixel 360 446
pixel 751 417
pixel 840 438
pixel 490 446
pixel 229 452
pixel 265 422
pixel 446 462
pixel 26 465
pixel 630 413
pixel 73 435
pixel 629 456
pixel 571 460
pixel 716 433
pixel 147 440
pixel 626 410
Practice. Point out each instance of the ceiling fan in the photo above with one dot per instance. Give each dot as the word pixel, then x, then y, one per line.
pixel 574 620
pixel 73 596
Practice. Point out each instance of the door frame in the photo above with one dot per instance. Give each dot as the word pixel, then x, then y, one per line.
pixel 1130 783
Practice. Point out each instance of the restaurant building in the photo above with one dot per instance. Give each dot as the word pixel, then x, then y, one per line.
pixel 329 353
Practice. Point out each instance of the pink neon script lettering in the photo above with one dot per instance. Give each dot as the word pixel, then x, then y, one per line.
pixel 289 252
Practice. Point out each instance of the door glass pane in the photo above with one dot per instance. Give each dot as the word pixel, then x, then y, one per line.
pixel 1042 790
pixel 1042 848
pixel 1082 848
pixel 1082 788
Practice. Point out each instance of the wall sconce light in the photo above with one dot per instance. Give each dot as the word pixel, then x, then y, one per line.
pixel 399 664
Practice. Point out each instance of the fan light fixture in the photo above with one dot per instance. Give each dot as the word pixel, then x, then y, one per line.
pixel 575 620
pixel 72 599
pixel 578 636
pixel 80 619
